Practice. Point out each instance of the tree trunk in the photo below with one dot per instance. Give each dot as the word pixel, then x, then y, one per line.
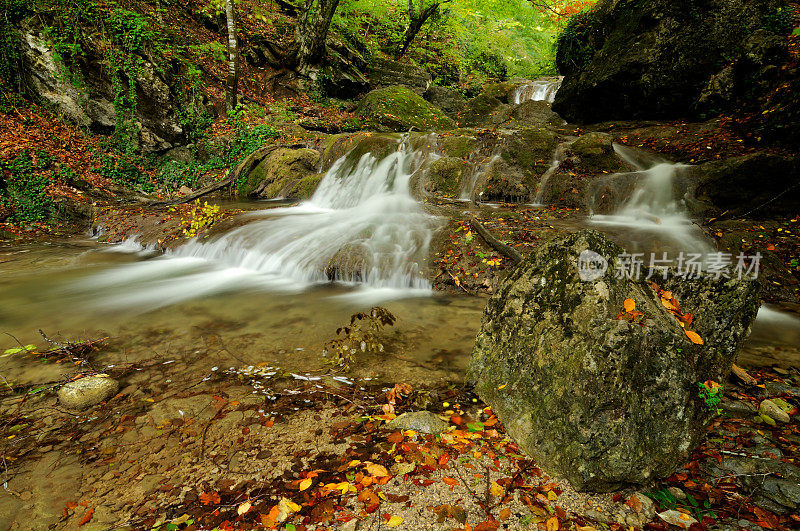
pixel 415 23
pixel 310 34
pixel 232 82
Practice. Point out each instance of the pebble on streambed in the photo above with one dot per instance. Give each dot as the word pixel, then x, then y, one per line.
pixel 87 392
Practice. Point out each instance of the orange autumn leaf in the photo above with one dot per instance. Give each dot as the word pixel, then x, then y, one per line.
pixel 695 338
pixel 553 524
pixel 629 305
pixel 87 517
pixel 450 481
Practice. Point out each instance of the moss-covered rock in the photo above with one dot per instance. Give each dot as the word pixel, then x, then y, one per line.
pixel 283 173
pixel 669 59
pixel 398 108
pixel 603 401
pixel 445 176
pixel 595 152
pixel 531 149
pixel 458 145
pixel 534 114
pixel 387 73
pixel 484 110
pixel 449 100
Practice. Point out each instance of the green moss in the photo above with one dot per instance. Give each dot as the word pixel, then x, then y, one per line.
pixel 398 108
pixel 531 149
pixel 445 175
pixel 458 146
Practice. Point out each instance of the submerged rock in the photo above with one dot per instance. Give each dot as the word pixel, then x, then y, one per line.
pixel 398 109
pixel 422 421
pixel 599 400
pixel 87 392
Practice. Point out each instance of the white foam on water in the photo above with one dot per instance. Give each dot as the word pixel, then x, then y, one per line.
pixel 361 227
pixel 538 90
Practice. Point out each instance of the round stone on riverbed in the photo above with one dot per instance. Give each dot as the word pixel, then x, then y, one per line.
pixel 87 391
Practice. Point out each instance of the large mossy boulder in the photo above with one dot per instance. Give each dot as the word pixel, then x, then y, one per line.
pixel 445 175
pixel 387 73
pixel 762 184
pixel 398 109
pixel 484 110
pixel 668 58
pixel 599 400
pixel 284 172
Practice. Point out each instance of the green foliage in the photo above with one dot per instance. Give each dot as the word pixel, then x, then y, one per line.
pixel 175 174
pixel 124 170
pixel 26 182
pixel 361 335
pixel 666 500
pixel 781 21
pixel 711 393
pixel 576 44
pixel 11 11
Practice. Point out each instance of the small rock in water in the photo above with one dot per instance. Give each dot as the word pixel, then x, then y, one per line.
pixel 422 421
pixel 770 409
pixel 87 392
pixel 737 409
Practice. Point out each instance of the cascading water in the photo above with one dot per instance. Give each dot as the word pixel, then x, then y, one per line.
pixel 539 90
pixel 558 158
pixel 362 225
pixel 653 204
pixel 471 182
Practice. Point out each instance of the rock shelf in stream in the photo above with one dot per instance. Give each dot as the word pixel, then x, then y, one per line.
pixel 599 400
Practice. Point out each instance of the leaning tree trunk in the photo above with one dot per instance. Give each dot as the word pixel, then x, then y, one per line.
pixel 310 34
pixel 416 21
pixel 232 82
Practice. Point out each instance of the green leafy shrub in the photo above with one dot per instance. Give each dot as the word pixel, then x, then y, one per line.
pixel 578 43
pixel 26 184
pixel 125 171
pixel 780 21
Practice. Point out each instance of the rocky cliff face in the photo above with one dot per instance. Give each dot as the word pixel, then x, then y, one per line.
pixel 90 102
pixel 670 59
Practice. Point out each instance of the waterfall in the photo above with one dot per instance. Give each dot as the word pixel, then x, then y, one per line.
pixel 538 90
pixel 558 158
pixel 361 226
pixel 478 171
pixel 654 202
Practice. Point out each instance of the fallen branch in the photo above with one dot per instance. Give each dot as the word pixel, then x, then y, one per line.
pixel 242 169
pixel 509 252
pixel 743 375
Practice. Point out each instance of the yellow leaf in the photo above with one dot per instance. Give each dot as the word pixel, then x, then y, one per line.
pixel 696 339
pixel 306 483
pixel 553 524
pixel 629 304
pixel 552 496
pixel 394 521
pixel 502 386
pixel 496 489
pixel 377 470
pixel 243 508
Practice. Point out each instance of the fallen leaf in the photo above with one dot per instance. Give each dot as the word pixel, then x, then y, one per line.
pixel 629 305
pixel 243 508
pixel 496 489
pixel 377 470
pixel 306 483
pixel 394 521
pixel 694 337
pixel 87 516
pixel 553 524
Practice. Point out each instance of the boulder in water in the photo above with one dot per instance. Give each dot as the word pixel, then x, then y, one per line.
pixel 284 173
pixel 398 109
pixel 603 401
pixel 87 392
